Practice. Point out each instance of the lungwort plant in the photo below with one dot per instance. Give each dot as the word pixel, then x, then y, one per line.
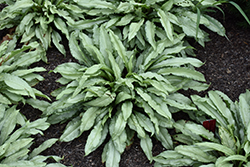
pixel 15 140
pixel 233 147
pixel 148 21
pixel 120 93
pixel 42 20
pixel 15 79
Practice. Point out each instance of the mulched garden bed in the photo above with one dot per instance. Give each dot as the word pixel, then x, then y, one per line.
pixel 226 68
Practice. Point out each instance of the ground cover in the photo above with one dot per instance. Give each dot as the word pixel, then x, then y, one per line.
pixel 226 68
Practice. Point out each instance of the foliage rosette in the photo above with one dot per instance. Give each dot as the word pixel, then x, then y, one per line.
pixel 119 93
pixel 16 140
pixel 148 21
pixel 16 79
pixel 232 145
pixel 41 20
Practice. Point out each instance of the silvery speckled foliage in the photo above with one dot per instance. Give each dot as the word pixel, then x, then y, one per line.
pixel 133 59
pixel 147 21
pixel 15 142
pixel 16 79
pixel 232 147
pixel 41 20
pixel 120 93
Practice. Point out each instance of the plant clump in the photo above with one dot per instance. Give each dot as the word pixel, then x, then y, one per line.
pixel 40 20
pixel 118 93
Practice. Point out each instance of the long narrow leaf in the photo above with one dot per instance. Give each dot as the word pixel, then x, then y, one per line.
pixel 217 147
pixel 240 10
pixel 134 28
pixel 72 130
pixel 166 24
pixel 113 156
pixel 147 146
pixel 96 137
pixel 184 72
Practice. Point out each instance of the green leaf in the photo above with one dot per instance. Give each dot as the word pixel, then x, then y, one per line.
pixel 19 5
pixel 178 61
pixel 69 70
pixel 17 146
pixel 181 126
pixel 86 23
pixel 172 158
pixel 151 113
pixel 115 66
pixel 198 21
pixel 96 137
pixel 183 3
pixel 76 50
pixel 240 10
pixel 17 155
pixel 119 47
pixel 117 125
pixel 88 118
pixel 8 123
pixel 147 146
pixel 96 4
pixel 215 26
pixel 200 130
pixel 127 108
pixel 103 101
pixel 3 148
pixel 248 132
pixel 112 155
pixel 42 147
pixel 134 124
pixel 164 137
pixel 151 55
pixel 104 44
pixel 167 5
pixel 220 162
pixel 204 105
pixel 221 107
pixel 25 21
pixel 227 139
pixel 236 158
pixel 166 24
pixel 244 109
pixel 122 96
pixel 19 85
pixel 60 24
pixel 153 104
pixel 38 104
pixel 218 147
pixel 125 7
pixel 134 28
pixel 121 141
pixel 179 101
pixel 56 38
pixel 4 100
pixel 22 73
pixel 247 147
pixel 183 139
pixel 195 153
pixel 41 35
pixel 55 165
pixel 247 164
pixel 72 130
pixel 125 20
pixel 184 72
pixel 145 122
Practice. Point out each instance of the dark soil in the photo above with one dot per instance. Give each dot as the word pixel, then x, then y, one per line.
pixel 226 68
